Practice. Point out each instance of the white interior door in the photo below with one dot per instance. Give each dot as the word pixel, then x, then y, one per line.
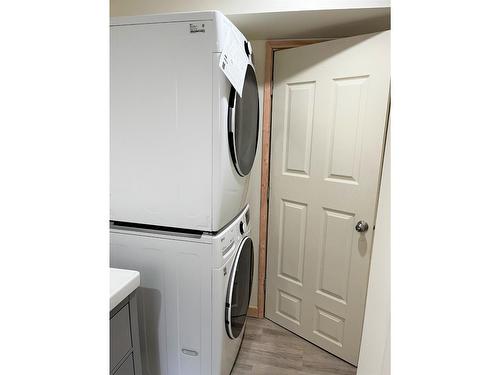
pixel 329 114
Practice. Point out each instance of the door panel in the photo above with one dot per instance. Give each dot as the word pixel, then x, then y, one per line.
pixel 291 248
pixel 330 102
pixel 289 307
pixel 344 141
pixel 298 133
pixel 335 254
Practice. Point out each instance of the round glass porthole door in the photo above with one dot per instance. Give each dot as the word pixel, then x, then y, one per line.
pixel 243 123
pixel 239 289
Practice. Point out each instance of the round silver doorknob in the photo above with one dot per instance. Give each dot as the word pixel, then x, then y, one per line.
pixel 361 226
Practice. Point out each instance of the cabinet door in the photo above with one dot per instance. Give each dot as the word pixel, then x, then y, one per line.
pixel 119 337
pixel 127 367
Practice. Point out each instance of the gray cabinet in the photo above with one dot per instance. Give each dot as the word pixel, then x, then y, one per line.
pixel 124 351
pixel 127 367
pixel 120 335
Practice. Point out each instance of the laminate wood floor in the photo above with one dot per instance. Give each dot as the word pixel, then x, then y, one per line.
pixel 270 349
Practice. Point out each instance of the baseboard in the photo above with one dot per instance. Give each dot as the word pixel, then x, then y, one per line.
pixel 253 312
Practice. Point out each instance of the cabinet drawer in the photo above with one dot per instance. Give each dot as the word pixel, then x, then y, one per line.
pixel 127 367
pixel 119 336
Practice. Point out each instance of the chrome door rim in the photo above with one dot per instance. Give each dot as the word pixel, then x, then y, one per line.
pixel 232 128
pixel 229 296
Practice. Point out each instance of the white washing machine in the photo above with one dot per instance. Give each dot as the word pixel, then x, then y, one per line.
pixel 194 295
pixel 183 141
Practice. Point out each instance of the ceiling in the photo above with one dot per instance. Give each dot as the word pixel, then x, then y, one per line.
pixel 312 23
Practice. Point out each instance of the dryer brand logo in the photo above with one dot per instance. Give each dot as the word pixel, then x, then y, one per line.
pixel 196 28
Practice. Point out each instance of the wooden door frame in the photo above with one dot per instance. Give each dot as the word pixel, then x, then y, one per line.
pixel 271 47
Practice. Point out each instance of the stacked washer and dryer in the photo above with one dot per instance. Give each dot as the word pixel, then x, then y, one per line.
pixel 183 142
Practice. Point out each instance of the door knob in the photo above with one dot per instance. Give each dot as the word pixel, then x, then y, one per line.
pixel 361 226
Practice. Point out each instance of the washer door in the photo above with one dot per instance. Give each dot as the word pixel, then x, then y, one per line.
pixel 239 289
pixel 243 123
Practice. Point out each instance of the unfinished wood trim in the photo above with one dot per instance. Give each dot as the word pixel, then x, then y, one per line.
pixel 271 46
pixel 253 312
pixel 264 177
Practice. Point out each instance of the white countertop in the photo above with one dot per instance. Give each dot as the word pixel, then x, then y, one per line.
pixel 121 284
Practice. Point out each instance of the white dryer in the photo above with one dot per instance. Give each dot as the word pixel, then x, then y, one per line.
pixel 183 141
pixel 194 295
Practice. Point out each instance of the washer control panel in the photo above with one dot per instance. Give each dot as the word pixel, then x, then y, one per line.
pixel 234 233
pixel 227 241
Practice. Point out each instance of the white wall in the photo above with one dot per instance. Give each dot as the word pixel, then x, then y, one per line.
pixel 134 7
pixel 374 356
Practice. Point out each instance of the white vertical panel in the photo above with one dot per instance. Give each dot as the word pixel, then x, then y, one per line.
pixel 374 356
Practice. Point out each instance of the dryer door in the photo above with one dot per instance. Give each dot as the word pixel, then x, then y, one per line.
pixel 239 289
pixel 243 123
